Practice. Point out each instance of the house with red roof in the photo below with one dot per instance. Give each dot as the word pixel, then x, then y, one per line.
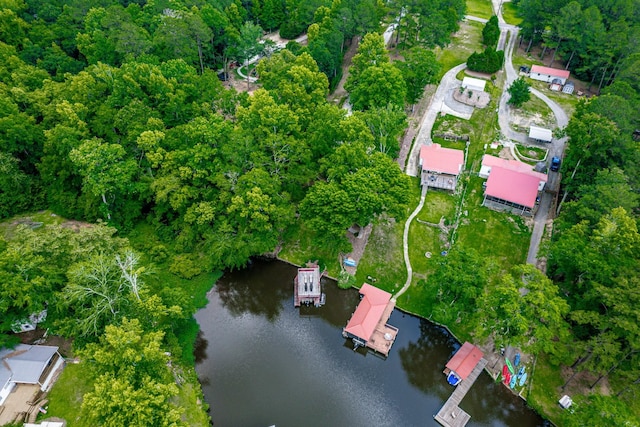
pixel 440 166
pixel 511 185
pixel 459 367
pixel 548 74
pixel 368 325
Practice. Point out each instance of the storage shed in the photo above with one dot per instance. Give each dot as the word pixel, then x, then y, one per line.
pixel 540 134
pixel 568 88
pixel 473 84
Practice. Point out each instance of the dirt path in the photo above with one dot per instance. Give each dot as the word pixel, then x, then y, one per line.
pixel 339 91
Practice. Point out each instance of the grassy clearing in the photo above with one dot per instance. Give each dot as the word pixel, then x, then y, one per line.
pixel 36 219
pixel 424 238
pixel 509 13
pixel 480 8
pixel 65 398
pixel 437 204
pixel 383 258
pixel 463 43
pixel 300 247
pixel 545 388
pixel 535 111
pixel 502 236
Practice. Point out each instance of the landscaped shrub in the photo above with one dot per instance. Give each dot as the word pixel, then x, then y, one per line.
pixel 488 61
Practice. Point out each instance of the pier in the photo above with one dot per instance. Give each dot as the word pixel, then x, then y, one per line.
pixel 450 415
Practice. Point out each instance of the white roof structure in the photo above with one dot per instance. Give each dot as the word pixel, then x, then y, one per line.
pixel 541 134
pixel 28 362
pixel 474 84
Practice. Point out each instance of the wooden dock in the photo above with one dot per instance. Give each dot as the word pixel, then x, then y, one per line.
pixel 450 415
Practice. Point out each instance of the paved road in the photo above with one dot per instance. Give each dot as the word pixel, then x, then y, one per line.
pixel 556 147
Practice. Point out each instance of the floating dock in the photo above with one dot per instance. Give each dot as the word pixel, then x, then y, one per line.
pixel 450 415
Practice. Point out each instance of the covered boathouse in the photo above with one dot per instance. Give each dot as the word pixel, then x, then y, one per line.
pixel 468 364
pixel 462 363
pixel 368 325
pixel 307 288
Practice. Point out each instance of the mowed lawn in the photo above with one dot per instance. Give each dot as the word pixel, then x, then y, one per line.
pixel 509 13
pixel 480 8
pixel 467 40
pixel 500 235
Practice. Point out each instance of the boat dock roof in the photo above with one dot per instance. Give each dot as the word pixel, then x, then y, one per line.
pixel 368 324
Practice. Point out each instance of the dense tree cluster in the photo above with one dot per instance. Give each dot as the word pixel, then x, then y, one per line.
pixel 427 23
pixel 594 253
pixel 596 39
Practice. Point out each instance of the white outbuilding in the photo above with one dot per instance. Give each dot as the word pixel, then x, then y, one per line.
pixel 473 84
pixel 548 74
pixel 540 134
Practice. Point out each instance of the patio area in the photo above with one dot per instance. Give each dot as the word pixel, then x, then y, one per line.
pixel 23 399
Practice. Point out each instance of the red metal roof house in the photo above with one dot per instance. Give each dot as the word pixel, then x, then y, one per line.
pixel 463 362
pixel 548 74
pixel 440 166
pixel 367 326
pixel 511 185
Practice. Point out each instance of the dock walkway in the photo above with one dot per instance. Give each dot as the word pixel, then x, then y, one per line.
pixel 450 415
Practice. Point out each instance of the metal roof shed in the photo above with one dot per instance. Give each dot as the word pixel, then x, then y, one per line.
pixel 465 359
pixel 473 84
pixel 540 134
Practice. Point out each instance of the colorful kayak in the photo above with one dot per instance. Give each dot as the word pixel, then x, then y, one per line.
pixel 507 379
pixel 505 371
pixel 521 371
pixel 523 379
pixel 510 366
pixel 513 381
pixel 516 361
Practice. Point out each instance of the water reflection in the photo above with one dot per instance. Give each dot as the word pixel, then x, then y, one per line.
pixel 263 362
pixel 417 359
pixel 247 292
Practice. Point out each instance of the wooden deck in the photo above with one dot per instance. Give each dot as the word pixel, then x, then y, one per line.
pixel 378 342
pixel 450 415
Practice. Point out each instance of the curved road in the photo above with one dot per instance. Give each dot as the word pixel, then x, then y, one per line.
pixel 437 104
pixel 556 147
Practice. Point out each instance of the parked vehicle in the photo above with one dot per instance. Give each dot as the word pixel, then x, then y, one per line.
pixel 555 164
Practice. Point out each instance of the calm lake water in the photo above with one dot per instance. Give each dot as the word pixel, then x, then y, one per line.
pixel 263 362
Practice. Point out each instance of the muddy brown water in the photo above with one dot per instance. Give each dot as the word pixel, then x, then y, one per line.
pixel 262 362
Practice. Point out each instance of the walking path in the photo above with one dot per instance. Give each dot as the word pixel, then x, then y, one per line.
pixel 441 102
pixel 405 243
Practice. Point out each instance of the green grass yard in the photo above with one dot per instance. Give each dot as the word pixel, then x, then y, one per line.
pixel 463 43
pixel 299 247
pixel 502 236
pixel 65 397
pixel 509 14
pixel 480 8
